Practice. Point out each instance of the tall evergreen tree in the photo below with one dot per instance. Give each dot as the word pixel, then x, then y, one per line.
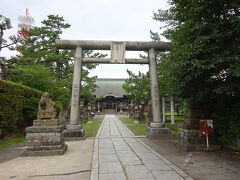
pixel 39 49
pixel 5 24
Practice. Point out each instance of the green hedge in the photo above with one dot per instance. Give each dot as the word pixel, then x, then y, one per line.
pixel 18 107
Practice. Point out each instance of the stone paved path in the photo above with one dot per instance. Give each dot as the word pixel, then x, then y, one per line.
pixel 118 154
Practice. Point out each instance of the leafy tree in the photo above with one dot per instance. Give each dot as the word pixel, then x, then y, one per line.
pixel 5 24
pixel 37 77
pixel 167 69
pixel 205 37
pixel 39 48
pixel 137 87
pixel 62 96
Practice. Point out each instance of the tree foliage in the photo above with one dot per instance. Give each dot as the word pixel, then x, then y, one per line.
pixel 138 87
pixel 47 68
pixel 37 77
pixel 5 24
pixel 205 37
pixel 40 48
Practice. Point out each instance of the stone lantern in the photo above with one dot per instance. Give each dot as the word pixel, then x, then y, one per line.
pixel 131 111
pixel 136 108
pixel 98 106
pixel 121 106
pixel 89 109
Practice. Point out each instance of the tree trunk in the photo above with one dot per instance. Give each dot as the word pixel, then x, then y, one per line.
pixel 4 72
pixel 59 66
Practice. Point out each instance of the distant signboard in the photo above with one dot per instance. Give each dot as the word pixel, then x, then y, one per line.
pixel 206 126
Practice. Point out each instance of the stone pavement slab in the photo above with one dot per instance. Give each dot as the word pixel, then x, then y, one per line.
pixel 110 167
pixel 169 175
pixel 108 158
pixel 75 164
pixel 128 158
pixel 147 156
pixel 107 151
pixel 138 172
pixel 155 165
pixel 118 154
pixel 112 176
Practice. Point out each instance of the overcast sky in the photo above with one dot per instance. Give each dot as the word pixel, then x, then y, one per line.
pixel 120 20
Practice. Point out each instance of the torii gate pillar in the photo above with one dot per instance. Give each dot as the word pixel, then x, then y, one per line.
pixel 74 129
pixel 157 127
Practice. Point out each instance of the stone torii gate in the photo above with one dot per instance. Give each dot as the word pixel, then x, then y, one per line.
pixel 118 48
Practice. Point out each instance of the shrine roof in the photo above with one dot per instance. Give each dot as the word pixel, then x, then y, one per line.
pixel 109 87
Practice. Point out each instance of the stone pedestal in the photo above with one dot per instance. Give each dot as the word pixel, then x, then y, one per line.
pixel 189 137
pixel 44 138
pixel 156 130
pixel 74 132
pixel 46 122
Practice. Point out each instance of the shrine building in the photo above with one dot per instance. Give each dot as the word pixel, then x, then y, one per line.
pixel 112 95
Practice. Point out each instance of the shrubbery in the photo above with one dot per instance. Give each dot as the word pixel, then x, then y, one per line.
pixel 227 120
pixel 18 107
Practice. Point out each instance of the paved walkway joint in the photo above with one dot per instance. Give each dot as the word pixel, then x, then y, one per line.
pixel 119 155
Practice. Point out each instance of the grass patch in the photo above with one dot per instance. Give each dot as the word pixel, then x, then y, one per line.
pixel 233 147
pixel 137 129
pixel 173 128
pixel 92 129
pixel 9 140
pixel 176 118
pixel 129 121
